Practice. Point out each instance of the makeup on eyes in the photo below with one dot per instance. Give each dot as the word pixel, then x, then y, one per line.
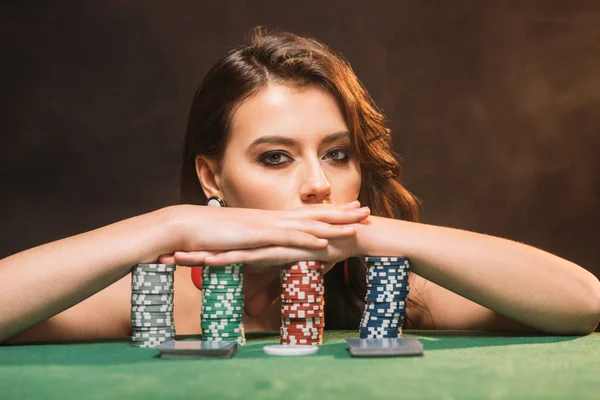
pixel 264 157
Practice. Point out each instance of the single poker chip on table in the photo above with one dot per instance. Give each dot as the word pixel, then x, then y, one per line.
pixel 290 350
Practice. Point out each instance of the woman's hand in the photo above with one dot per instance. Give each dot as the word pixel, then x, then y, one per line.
pixel 229 233
pixel 270 256
pixel 259 259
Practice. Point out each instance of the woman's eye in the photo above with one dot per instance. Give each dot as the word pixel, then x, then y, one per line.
pixel 338 155
pixel 274 158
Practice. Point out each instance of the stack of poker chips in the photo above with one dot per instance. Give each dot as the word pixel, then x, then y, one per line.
pixel 302 303
pixel 223 303
pixel 387 291
pixel 152 320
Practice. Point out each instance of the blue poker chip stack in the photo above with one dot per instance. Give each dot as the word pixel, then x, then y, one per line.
pixel 387 292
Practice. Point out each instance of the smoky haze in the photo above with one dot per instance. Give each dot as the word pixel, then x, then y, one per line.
pixel 494 108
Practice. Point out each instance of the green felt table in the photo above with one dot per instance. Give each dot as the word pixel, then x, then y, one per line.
pixel 456 364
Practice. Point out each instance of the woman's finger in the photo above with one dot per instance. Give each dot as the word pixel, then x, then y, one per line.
pixel 321 229
pixel 289 237
pixel 329 215
pixel 266 256
pixel 166 259
pixel 352 204
pixel 191 258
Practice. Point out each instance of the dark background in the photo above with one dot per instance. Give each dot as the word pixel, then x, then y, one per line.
pixel 495 107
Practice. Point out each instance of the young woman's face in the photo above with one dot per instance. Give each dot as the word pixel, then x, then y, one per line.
pixel 289 147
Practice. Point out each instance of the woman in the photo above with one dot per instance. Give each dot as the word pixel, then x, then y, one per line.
pixel 282 132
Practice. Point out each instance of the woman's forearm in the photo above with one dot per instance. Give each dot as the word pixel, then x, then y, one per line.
pixel 523 283
pixel 40 282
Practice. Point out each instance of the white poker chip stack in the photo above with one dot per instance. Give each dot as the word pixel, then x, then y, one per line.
pixel 152 321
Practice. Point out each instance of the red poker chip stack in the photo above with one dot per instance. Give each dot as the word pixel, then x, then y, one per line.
pixel 302 303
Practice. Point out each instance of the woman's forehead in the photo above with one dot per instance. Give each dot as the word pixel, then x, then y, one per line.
pixel 304 113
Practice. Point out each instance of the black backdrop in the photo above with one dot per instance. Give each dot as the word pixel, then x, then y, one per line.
pixel 495 108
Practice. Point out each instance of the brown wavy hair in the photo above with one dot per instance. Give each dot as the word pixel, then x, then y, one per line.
pixel 271 56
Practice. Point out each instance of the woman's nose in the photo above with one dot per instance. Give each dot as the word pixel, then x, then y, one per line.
pixel 315 187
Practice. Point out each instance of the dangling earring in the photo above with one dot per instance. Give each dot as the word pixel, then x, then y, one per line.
pixel 215 201
pixel 196 271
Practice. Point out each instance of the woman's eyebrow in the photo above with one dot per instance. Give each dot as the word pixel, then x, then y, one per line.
pixel 335 136
pixel 292 142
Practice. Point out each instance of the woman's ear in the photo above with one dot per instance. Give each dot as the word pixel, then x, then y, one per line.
pixel 209 176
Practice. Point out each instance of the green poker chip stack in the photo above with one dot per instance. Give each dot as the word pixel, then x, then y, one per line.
pixel 152 321
pixel 223 303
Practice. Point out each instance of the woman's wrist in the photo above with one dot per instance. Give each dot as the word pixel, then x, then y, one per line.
pixel 380 236
pixel 168 227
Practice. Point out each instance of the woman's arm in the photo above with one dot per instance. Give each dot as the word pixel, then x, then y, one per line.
pixel 40 282
pixel 520 282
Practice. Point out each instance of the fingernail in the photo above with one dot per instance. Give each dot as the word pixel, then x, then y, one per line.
pixel 322 241
pixel 348 228
pixel 353 203
pixel 363 209
pixel 209 258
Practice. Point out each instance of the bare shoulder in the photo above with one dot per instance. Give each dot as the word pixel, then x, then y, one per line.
pixel 103 315
pixel 440 308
